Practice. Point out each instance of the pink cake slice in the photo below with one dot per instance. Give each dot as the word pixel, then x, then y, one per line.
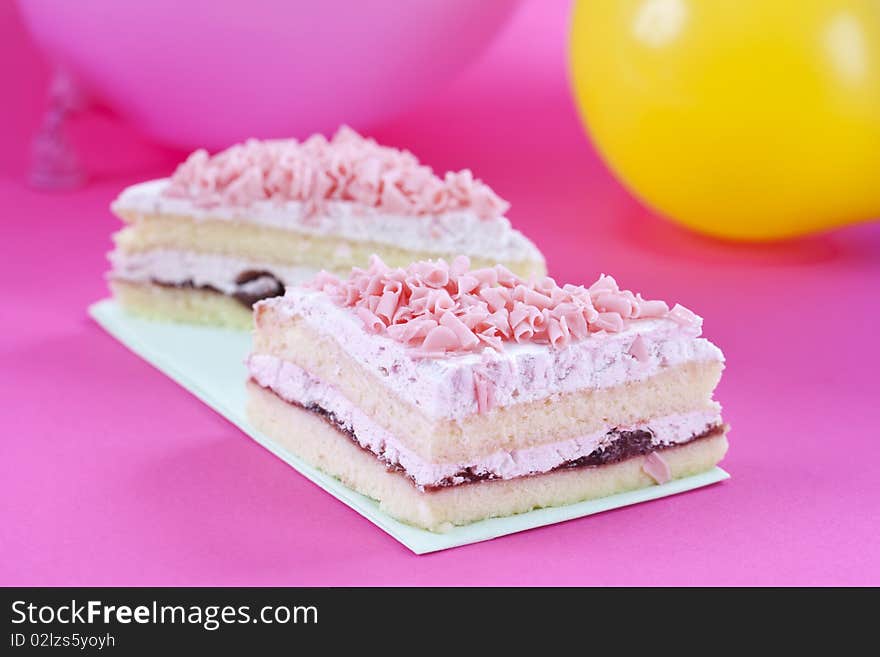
pixel 229 229
pixel 452 394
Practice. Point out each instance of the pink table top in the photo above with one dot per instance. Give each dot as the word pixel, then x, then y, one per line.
pixel 110 474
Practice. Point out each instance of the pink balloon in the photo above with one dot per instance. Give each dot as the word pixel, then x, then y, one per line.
pixel 213 73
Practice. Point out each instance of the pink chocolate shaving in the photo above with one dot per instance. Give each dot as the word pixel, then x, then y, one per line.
pixel 656 468
pixel 639 349
pixel 441 308
pixel 349 167
pixel 484 390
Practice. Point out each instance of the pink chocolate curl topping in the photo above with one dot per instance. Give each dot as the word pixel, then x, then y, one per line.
pixel 441 308
pixel 349 167
pixel 656 468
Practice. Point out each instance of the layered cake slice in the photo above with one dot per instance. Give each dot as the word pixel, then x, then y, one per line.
pixel 229 229
pixel 451 394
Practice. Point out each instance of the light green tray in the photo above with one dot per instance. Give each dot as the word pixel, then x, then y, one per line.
pixel 209 362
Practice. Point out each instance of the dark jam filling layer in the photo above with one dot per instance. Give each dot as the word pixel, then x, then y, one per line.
pixel 623 445
pixel 250 286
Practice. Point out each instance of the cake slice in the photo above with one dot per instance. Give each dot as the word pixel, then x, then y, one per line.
pixel 451 394
pixel 227 230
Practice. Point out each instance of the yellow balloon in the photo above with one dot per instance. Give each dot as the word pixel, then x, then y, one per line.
pixel 744 119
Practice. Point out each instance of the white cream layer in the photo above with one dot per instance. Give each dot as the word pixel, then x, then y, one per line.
pixel 295 385
pixel 453 232
pixel 201 269
pixel 444 388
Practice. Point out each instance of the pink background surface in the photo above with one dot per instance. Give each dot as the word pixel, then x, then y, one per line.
pixel 112 475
